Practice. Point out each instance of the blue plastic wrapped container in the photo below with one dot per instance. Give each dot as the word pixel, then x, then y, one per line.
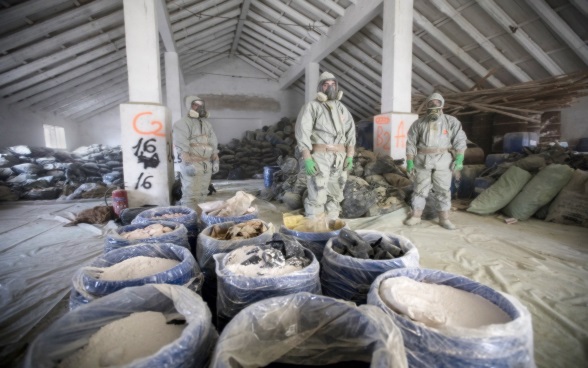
pixel 315 242
pixel 87 285
pixel 498 345
pixel 268 175
pixel 350 278
pixel 178 236
pixel 188 218
pixel 72 331
pixel 305 329
pixel 516 141
pixel 236 291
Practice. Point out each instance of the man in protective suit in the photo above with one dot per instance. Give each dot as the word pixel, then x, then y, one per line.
pixel 325 132
pixel 430 140
pixel 197 150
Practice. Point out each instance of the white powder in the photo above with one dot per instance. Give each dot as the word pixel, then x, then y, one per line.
pixel 137 267
pixel 152 230
pixel 439 306
pixel 120 342
pixel 236 257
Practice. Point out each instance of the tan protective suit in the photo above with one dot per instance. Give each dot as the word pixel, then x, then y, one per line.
pixel 197 147
pixel 428 145
pixel 325 131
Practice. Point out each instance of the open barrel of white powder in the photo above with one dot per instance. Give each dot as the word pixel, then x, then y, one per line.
pixel 508 344
pixel 88 284
pixel 177 303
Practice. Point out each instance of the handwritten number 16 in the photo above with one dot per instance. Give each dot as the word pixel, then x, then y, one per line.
pixel 145 184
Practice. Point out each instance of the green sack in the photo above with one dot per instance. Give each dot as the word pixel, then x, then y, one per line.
pixel 571 204
pixel 501 192
pixel 539 191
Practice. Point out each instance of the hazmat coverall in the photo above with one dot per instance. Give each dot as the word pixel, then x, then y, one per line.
pixel 325 132
pixel 429 140
pixel 197 149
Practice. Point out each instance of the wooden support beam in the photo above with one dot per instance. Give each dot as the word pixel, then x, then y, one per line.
pixel 242 18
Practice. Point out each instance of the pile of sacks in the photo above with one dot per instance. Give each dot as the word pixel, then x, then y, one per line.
pixel 376 185
pixel 541 183
pixel 31 173
pixel 246 158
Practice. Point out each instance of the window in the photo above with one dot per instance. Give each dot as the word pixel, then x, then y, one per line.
pixel 54 136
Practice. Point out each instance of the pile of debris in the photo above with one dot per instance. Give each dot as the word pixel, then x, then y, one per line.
pixel 31 173
pixel 246 158
pixel 376 185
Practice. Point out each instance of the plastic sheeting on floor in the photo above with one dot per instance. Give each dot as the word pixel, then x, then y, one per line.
pixel 544 265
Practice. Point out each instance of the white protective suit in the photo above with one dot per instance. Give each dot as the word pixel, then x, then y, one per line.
pixel 429 142
pixel 197 149
pixel 325 131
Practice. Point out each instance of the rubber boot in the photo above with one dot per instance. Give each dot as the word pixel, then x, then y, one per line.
pixel 444 220
pixel 414 219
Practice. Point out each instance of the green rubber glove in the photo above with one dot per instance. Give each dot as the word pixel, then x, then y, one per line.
pixel 349 163
pixel 409 165
pixel 310 166
pixel 458 163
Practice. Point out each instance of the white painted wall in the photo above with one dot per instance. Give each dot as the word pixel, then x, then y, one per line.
pixel 103 128
pixel 232 123
pixel 227 123
pixel 23 127
pixel 574 122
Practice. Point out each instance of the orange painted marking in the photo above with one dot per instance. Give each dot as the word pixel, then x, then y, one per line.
pixel 400 135
pixel 158 125
pixel 382 119
pixel 382 138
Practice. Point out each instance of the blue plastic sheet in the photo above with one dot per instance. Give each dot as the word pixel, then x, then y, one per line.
pixel 73 331
pixel 499 345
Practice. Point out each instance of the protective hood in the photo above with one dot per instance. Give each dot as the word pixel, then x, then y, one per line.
pixel 194 113
pixel 434 109
pixel 321 96
pixel 435 96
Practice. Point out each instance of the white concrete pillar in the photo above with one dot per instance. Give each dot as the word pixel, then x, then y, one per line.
pixel 173 91
pixel 391 127
pixel 147 153
pixel 142 45
pixel 145 122
pixel 397 56
pixel 311 79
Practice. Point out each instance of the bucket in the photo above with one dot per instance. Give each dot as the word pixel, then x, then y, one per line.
pixel 268 175
pixel 516 141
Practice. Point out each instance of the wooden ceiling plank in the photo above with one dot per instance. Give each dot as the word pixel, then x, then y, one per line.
pixel 482 40
pixel 242 18
pixel 355 18
pixel 502 18
pixel 554 21
pixel 60 22
pixel 66 77
pixel 461 54
pixel 77 50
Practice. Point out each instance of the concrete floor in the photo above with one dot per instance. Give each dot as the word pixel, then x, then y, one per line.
pixel 544 265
